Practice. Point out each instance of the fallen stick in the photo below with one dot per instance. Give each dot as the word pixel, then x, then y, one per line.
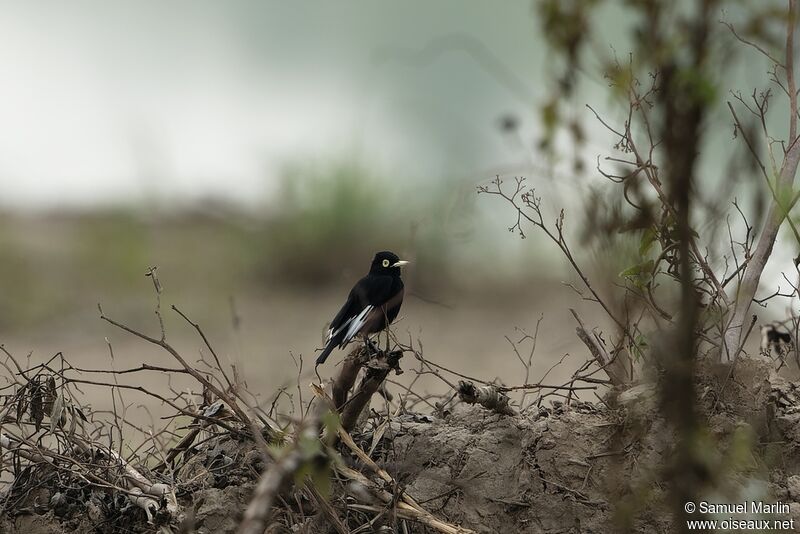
pixel 140 491
pixel 274 479
pixel 182 446
pixel 614 366
pixel 406 504
pixel 377 369
pixel 7 444
pixel 328 513
pixel 347 378
pixel 490 397
pixel 404 509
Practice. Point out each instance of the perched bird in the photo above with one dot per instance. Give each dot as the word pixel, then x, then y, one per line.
pixel 372 305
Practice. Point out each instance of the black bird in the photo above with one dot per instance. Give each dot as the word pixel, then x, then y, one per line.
pixel 372 305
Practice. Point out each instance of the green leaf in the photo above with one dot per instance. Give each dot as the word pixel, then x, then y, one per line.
pixel 309 446
pixel 648 238
pixel 331 422
pixel 637 270
pixel 321 478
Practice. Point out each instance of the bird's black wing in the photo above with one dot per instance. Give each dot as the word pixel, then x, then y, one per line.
pixel 349 310
pixel 338 325
pixel 368 293
pixel 376 292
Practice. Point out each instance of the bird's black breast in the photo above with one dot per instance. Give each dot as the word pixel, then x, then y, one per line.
pixel 377 290
pixel 383 292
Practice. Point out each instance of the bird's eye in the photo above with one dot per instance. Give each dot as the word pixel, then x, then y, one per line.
pixel 385 263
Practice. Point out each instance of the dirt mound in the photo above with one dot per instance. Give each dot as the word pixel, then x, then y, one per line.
pixel 540 471
pixel 579 468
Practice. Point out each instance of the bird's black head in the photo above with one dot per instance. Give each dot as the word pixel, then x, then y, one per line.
pixel 386 263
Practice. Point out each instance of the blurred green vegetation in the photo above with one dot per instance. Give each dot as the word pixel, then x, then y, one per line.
pixel 319 230
pixel 328 220
pixel 324 219
pixel 56 263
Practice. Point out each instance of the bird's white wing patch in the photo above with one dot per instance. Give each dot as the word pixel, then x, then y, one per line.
pixel 350 326
pixel 356 323
pixel 332 332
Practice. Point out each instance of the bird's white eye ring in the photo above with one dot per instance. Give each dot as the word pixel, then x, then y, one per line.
pixel 385 263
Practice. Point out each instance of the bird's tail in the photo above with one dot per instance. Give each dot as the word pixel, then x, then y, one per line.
pixel 326 352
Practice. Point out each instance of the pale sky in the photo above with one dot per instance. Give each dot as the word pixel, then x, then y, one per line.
pixel 119 102
pixel 116 102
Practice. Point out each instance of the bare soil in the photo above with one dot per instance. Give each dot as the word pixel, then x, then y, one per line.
pixel 582 468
